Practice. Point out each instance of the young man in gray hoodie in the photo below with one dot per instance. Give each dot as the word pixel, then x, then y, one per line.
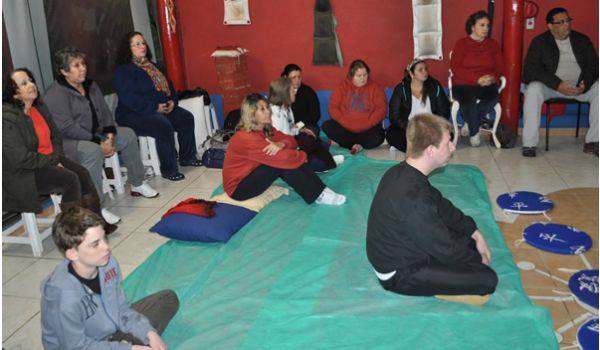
pixel 83 303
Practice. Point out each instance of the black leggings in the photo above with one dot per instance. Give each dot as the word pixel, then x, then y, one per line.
pixel 71 180
pixel 368 139
pixel 456 278
pixel 303 180
pixel 396 137
pixel 314 148
pixel 471 110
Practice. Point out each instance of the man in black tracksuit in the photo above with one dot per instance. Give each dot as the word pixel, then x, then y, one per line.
pixel 417 241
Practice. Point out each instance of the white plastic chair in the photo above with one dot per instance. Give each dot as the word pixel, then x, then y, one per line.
pixel 149 154
pixel 32 235
pixel 119 174
pixel 205 118
pixel 455 106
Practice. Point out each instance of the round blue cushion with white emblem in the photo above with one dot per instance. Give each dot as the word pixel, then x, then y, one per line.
pixel 584 286
pixel 524 202
pixel 557 238
pixel 587 335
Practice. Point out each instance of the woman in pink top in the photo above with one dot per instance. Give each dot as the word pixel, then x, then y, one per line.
pixel 476 65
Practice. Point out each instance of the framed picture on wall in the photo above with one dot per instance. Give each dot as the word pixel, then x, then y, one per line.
pixel 236 12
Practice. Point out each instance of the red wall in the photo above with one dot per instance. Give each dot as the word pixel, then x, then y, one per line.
pixel 380 32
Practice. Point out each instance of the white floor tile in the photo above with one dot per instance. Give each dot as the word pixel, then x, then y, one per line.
pixel 27 283
pixel 13 265
pixel 211 179
pixel 16 312
pixel 28 337
pixel 137 247
pixel 132 217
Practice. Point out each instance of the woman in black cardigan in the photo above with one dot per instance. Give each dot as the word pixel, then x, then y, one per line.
pixel 32 160
pixel 417 93
pixel 306 107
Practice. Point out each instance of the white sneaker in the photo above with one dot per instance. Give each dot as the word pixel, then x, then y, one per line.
pixel 475 140
pixel 143 190
pixel 110 217
pixel 464 131
pixel 338 159
pixel 329 197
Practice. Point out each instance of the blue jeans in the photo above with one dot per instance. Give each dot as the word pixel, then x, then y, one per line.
pixel 161 127
pixel 471 110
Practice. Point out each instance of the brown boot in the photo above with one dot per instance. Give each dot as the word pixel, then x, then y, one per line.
pixel 91 201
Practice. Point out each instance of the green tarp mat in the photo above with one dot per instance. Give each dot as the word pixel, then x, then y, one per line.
pixel 297 277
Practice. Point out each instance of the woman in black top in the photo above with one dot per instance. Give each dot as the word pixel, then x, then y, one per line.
pixel 306 108
pixel 417 93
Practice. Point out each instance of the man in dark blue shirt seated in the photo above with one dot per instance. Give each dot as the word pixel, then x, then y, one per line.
pixel 418 242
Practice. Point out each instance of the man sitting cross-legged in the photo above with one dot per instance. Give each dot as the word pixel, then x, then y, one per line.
pixel 417 241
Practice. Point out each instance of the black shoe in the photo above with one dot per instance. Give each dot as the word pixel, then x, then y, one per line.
pixel 192 162
pixel 591 148
pixel 109 228
pixel 174 177
pixel 528 152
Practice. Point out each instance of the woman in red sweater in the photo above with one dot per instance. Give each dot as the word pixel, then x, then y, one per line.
pixel 476 65
pixel 357 108
pixel 258 154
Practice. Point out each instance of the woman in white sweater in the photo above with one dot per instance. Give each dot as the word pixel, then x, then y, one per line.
pixel 281 97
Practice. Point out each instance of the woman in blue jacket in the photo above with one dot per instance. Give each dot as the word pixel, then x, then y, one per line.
pixel 148 105
pixel 417 93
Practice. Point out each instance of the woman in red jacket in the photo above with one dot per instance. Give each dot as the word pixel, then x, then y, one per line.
pixel 258 154
pixel 476 65
pixel 357 108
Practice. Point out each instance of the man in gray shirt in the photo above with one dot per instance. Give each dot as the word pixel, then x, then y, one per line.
pixel 560 63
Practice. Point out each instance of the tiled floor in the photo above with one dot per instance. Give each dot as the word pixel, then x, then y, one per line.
pixel 564 167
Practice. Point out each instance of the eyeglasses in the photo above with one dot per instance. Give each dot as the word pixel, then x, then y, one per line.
pixel 139 44
pixel 564 21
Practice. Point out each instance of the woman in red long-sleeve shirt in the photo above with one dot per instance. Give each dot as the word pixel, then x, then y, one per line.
pixel 476 65
pixel 357 107
pixel 258 154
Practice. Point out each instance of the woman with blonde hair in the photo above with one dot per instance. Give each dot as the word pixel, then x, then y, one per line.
pixel 258 154
pixel 281 96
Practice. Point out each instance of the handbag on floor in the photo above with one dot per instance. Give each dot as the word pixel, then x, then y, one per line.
pixel 213 158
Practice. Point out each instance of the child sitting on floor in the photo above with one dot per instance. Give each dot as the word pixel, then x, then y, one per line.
pixel 281 96
pixel 83 303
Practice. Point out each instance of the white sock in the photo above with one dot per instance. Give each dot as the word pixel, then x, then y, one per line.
pixel 329 197
pixel 338 159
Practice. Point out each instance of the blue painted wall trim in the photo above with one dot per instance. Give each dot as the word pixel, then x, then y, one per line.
pixel 568 120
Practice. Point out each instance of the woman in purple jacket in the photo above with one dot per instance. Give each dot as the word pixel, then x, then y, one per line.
pixel 148 105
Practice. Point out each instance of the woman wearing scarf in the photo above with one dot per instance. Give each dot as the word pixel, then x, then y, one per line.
pixel 148 105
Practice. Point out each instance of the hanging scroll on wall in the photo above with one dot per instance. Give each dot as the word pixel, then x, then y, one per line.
pixel 427 29
pixel 236 12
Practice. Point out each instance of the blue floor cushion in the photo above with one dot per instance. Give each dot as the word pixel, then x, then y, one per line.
pixel 524 202
pixel 228 220
pixel 557 238
pixel 584 286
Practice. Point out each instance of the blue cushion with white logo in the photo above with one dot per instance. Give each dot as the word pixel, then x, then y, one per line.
pixel 584 286
pixel 524 202
pixel 557 238
pixel 587 335
pixel 228 220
